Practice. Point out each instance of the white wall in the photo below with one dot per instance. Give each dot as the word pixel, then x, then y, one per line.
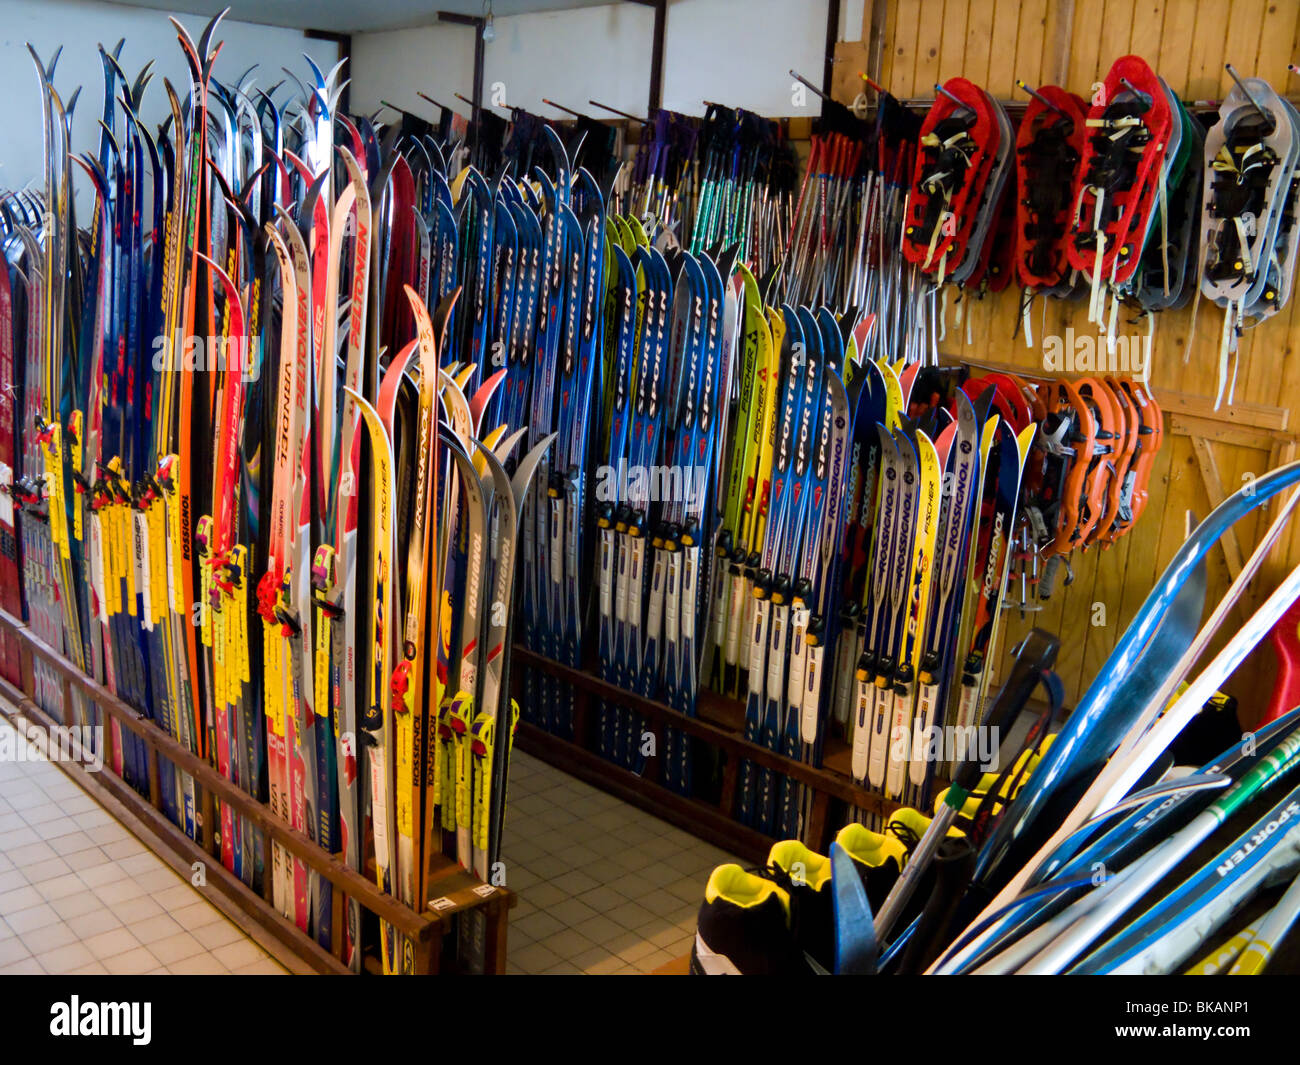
pixel 393 66
pixel 571 57
pixel 740 53
pixel 80 25
pixel 736 52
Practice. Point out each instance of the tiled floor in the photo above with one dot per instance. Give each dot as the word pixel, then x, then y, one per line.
pixel 604 887
pixel 80 894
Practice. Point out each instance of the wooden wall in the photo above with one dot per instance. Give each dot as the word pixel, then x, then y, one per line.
pixel 1207 454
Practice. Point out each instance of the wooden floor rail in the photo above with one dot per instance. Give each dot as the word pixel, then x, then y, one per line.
pixel 459 890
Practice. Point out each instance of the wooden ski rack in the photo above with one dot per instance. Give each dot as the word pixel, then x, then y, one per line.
pixel 460 891
pixel 720 723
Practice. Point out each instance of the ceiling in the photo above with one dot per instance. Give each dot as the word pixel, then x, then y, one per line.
pixel 352 16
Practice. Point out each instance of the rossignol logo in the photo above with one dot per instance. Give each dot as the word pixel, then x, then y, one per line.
pixel 955 527
pixel 903 543
pixel 995 550
pixel 133 1020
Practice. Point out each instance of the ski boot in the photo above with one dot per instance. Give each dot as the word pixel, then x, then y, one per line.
pixel 744 928
pixel 806 877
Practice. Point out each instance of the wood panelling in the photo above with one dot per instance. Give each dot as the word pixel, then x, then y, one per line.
pixel 1207 454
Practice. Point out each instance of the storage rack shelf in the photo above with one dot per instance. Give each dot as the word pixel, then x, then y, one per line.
pixel 720 724
pixel 459 891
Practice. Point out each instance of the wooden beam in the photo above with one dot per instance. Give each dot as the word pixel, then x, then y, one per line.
pixel 879 19
pixel 656 97
pixel 1214 489
pixel 1060 55
pixel 828 59
pixel 475 23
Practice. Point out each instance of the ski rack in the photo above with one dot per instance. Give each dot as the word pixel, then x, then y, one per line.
pixel 720 724
pixel 462 892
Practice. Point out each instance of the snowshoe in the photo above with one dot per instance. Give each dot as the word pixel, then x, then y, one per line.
pixel 989 202
pixel 1150 436
pixel 1049 146
pixel 1162 280
pixel 1106 434
pixel 1106 530
pixel 1250 158
pixel 1281 262
pixel 958 144
pixel 1119 176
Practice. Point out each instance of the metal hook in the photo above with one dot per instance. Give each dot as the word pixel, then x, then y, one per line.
pixel 561 107
pixel 954 98
pixel 808 84
pixel 1020 84
pixel 616 111
pixel 1246 93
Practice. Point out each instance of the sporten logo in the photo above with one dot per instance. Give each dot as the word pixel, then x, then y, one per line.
pixel 133 1019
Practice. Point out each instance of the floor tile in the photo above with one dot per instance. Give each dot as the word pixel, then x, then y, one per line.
pixel 48 937
pixel 111 943
pixel 131 963
pixel 66 959
pixel 175 947
pixel 72 906
pixel 13 949
pixel 33 917
pixel 94 922
pixel 199 965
